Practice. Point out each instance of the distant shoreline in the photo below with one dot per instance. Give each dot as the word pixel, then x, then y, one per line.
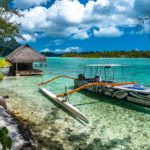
pixel 101 57
pixel 108 54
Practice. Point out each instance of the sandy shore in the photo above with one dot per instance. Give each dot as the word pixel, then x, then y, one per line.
pixel 112 124
pixel 19 134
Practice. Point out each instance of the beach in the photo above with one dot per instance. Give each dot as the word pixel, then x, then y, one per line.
pixel 113 124
pixel 17 130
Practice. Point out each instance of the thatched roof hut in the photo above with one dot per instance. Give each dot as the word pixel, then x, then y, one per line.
pixel 22 59
pixel 25 54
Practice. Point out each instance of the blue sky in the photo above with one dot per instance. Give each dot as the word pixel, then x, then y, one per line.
pixel 85 25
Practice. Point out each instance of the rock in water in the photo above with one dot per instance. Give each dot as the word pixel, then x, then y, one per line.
pixel 6 120
pixel 2 102
pixel 6 97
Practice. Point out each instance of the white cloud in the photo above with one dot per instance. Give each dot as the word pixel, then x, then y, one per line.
pixel 27 38
pixel 46 50
pixel 68 50
pixel 23 4
pixel 142 11
pixel 81 35
pixel 66 18
pixel 34 19
pixel 142 7
pixel 108 32
pixel 120 8
pixel 145 27
pixel 66 11
pixel 56 42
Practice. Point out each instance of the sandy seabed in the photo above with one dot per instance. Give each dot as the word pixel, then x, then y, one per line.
pixel 113 124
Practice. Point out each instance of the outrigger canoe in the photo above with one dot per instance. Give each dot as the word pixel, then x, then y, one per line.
pixel 101 85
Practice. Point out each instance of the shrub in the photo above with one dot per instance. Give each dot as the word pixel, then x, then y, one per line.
pixel 5 139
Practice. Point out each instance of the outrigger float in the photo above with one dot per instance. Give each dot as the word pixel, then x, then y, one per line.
pixel 63 101
pixel 102 84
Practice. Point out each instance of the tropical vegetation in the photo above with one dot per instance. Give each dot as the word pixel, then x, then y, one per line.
pixel 113 54
pixel 1 76
pixel 8 29
pixel 5 139
pixel 3 64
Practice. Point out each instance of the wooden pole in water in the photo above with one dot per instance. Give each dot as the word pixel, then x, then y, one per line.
pixel 113 74
pixel 105 73
pixel 66 94
pixel 96 71
pixel 91 72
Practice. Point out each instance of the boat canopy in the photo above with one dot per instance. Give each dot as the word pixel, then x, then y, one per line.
pixel 104 65
pixel 107 72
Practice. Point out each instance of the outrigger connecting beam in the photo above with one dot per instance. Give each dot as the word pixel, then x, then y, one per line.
pixel 50 80
pixel 93 84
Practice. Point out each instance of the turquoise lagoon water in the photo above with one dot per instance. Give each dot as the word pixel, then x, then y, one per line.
pixel 113 124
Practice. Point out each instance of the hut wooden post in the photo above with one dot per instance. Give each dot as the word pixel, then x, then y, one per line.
pixel 16 67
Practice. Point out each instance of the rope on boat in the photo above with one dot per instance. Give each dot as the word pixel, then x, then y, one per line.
pixel 93 84
pixel 50 80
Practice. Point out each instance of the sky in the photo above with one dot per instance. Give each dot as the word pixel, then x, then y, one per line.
pixel 65 26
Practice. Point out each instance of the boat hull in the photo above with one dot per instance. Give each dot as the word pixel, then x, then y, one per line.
pixel 121 94
pixel 65 104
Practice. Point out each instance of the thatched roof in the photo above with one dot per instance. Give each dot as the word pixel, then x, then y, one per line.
pixel 25 54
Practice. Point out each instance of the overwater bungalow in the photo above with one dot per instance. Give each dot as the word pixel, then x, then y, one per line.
pixel 22 59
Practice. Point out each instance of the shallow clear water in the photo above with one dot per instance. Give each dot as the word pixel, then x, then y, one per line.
pixel 113 124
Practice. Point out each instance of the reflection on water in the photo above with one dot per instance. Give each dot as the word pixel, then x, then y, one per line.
pixel 113 124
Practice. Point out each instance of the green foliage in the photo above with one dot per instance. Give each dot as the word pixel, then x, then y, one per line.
pixel 113 54
pixel 6 47
pixel 5 139
pixel 1 76
pixel 4 63
pixel 4 3
pixel 7 28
